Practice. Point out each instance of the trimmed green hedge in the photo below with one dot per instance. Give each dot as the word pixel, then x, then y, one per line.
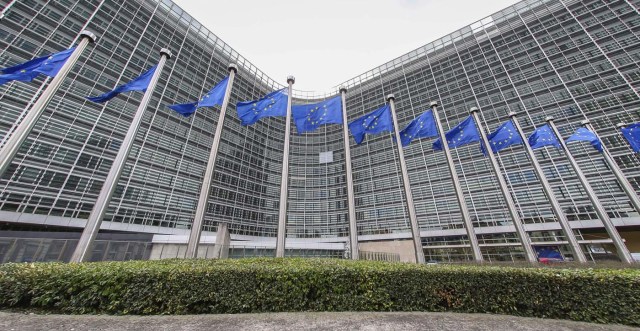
pixel 276 285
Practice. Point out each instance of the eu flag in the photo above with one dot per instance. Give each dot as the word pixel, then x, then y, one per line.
pixel 423 126
pixel 464 133
pixel 548 253
pixel 543 136
pixel 139 83
pixel 210 99
pixel 375 122
pixel 583 134
pixel 310 117
pixel 48 65
pixel 273 104
pixel 504 136
pixel 632 134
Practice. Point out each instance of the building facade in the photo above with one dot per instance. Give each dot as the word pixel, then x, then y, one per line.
pixel 568 59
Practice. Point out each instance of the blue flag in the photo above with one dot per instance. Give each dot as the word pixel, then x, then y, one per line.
pixel 273 104
pixel 504 136
pixel 543 136
pixel 546 253
pixel 48 65
pixel 210 99
pixel 139 83
pixel 310 117
pixel 423 126
pixel 583 134
pixel 464 133
pixel 375 122
pixel 632 134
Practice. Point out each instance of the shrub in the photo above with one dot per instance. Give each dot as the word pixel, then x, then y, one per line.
pixel 278 285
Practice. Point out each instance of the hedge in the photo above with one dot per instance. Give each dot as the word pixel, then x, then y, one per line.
pixel 279 285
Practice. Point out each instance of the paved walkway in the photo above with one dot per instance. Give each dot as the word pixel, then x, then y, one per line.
pixel 294 321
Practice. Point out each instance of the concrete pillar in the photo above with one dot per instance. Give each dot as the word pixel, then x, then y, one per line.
pixel 223 240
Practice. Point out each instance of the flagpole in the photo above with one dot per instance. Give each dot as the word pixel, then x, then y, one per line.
pixel 530 255
pixel 353 228
pixel 415 229
pixel 92 226
pixel 464 210
pixel 626 186
pixel 6 9
pixel 555 205
pixel 13 143
pixel 198 220
pixel 284 184
pixel 621 248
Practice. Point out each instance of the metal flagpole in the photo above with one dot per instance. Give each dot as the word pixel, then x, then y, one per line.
pixel 353 228
pixel 626 186
pixel 92 227
pixel 12 145
pixel 415 229
pixel 47 78
pixel 6 9
pixel 578 255
pixel 198 220
pixel 284 184
pixel 464 211
pixel 623 252
pixel 517 221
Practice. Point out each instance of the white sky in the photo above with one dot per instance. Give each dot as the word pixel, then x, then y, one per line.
pixel 326 42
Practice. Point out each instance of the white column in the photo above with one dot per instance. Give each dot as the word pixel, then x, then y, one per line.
pixel 198 220
pixel 11 147
pixel 578 255
pixel 530 255
pixel 623 252
pixel 413 219
pixel 464 210
pixel 92 227
pixel 353 228
pixel 284 184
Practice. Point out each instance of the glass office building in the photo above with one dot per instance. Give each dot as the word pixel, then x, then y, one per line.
pixel 568 59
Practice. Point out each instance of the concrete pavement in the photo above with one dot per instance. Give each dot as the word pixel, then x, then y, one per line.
pixel 13 321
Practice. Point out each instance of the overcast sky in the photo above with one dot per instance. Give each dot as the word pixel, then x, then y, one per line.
pixel 326 42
